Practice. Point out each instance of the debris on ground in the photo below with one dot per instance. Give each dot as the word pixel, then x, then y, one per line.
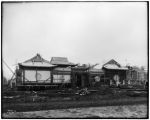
pixel 83 92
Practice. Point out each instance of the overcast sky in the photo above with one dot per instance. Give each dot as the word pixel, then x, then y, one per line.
pixel 85 32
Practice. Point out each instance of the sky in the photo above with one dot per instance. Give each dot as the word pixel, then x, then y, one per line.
pixel 84 32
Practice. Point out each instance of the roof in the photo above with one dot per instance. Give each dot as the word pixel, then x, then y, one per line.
pixel 37 61
pixel 60 61
pixel 112 61
pixel 138 69
pixel 80 68
pixel 112 64
pixel 96 70
pixel 98 66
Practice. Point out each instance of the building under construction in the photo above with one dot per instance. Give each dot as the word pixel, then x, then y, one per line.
pixel 40 74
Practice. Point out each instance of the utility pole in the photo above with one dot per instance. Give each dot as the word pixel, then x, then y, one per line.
pixel 10 70
pixel 7 66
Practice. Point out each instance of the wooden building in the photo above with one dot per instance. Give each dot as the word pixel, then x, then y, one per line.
pixel 115 73
pixel 136 75
pixel 83 76
pixel 35 71
pixel 96 76
pixel 80 76
pixel 39 73
pixel 61 73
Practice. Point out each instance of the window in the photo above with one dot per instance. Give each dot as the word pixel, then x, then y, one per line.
pixel 61 78
pixel 67 79
pixel 30 75
pixel 43 76
pixel 37 76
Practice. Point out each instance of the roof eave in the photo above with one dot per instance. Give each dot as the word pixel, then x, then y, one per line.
pixel 36 66
pixel 116 68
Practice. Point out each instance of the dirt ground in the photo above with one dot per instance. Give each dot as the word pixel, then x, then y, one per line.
pixel 125 111
pixel 23 101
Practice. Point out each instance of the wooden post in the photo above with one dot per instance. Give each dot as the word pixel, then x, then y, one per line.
pixel 36 76
pixel 51 76
pixel 89 79
pixel 23 76
pixel 104 77
pixel 137 76
pixel 73 79
pixel 82 80
pixel 126 77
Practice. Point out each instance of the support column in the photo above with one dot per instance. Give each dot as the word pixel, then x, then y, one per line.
pixel 73 80
pixel 82 81
pixel 51 76
pixel 36 77
pixel 89 78
pixel 23 76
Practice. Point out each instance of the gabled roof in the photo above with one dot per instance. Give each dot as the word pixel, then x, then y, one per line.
pixel 112 64
pixel 37 61
pixel 37 58
pixel 112 61
pixel 60 61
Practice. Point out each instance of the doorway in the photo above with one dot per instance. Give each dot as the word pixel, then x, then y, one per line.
pixel 78 80
pixel 81 80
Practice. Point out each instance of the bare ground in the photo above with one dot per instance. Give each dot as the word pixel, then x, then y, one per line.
pixel 125 111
